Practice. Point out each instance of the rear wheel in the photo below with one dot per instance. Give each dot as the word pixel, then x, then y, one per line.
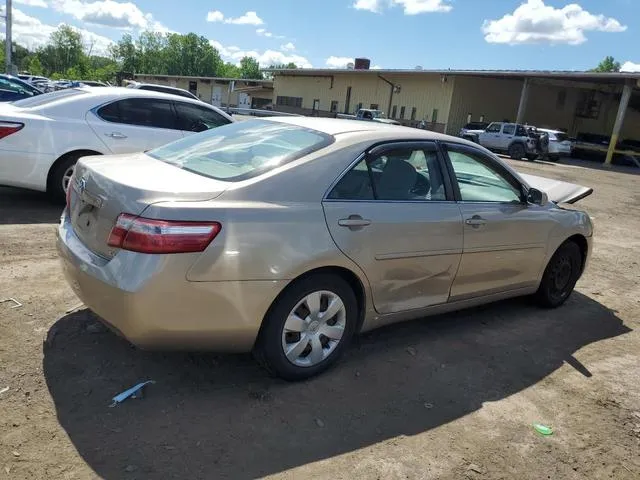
pixel 308 327
pixel 554 158
pixel 516 151
pixel 60 178
pixel 560 276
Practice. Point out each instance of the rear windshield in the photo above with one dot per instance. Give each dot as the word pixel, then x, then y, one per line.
pixel 241 150
pixel 561 137
pixel 46 98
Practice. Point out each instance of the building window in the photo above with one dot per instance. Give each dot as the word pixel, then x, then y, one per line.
pixel 469 118
pixel 394 111
pixel 289 101
pixel 414 111
pixel 334 106
pixel 316 104
pixel 193 87
pixel 481 118
pixel 374 106
pixel 561 100
pixel 434 116
pixel 402 110
pixel 588 105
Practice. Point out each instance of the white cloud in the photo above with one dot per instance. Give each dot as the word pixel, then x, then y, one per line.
pixel 109 13
pixel 535 22
pixel 249 18
pixel 630 67
pixel 263 32
pixel 215 16
pixel 338 62
pixel 33 3
pixel 32 33
pixel 288 47
pixel 410 7
pixel 376 67
pixel 265 58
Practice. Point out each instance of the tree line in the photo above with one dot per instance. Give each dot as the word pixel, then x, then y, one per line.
pixel 67 55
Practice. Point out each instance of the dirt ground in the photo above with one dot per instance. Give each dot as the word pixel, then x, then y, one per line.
pixel 450 397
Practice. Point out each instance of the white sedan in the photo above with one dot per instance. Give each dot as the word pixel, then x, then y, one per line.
pixel 41 138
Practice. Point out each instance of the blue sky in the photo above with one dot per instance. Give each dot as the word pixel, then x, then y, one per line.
pixel 457 34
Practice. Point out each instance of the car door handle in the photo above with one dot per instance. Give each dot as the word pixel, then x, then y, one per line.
pixel 475 221
pixel 354 221
pixel 117 135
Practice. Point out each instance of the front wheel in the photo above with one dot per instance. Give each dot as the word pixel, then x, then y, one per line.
pixel 308 327
pixel 560 276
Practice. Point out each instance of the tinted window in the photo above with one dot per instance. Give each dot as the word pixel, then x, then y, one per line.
pixel 144 112
pixel 521 131
pixel 480 180
pixel 410 174
pixel 494 127
pixel 242 150
pixel 509 129
pixel 195 118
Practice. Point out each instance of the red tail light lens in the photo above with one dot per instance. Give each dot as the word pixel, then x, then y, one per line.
pixel 145 235
pixel 7 128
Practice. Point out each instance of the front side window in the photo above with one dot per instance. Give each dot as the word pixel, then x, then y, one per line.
pixel 195 118
pixel 241 150
pixel 143 112
pixel 480 180
pixel 400 174
pixel 494 128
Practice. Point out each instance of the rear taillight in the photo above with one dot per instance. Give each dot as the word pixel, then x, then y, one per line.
pixel 7 128
pixel 68 192
pixel 145 235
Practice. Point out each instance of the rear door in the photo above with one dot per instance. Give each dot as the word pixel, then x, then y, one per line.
pixel 506 137
pixel 135 124
pixel 194 118
pixel 393 214
pixel 505 239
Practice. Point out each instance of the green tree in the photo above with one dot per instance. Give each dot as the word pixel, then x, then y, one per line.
pixel 609 64
pixel 282 66
pixel 34 66
pixel 229 70
pixel 250 68
pixel 126 54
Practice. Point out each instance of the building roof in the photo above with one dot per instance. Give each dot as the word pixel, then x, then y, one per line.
pixel 202 77
pixel 515 74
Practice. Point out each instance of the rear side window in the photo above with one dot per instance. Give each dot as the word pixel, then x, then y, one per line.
pixel 509 129
pixel 143 112
pixel 195 118
pixel 242 150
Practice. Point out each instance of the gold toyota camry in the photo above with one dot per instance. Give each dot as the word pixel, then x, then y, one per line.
pixel 286 236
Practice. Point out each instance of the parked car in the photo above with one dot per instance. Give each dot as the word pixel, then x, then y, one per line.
pixel 93 83
pixel 471 130
pixel 559 144
pixel 162 88
pixel 12 89
pixel 510 138
pixel 72 123
pixel 369 115
pixel 32 78
pixel 287 235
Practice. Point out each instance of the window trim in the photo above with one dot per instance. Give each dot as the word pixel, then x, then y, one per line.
pixel 195 105
pixel 488 161
pixel 375 150
pixel 94 110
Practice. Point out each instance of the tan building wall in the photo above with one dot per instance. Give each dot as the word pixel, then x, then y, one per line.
pixel 206 87
pixel 492 98
pixel 425 93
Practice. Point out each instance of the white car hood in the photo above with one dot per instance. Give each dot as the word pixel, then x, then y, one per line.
pixel 558 191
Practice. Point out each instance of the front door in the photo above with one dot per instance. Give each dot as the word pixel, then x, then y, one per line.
pixel 135 124
pixel 505 239
pixel 393 215
pixel 491 136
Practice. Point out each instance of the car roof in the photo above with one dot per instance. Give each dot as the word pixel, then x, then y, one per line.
pixel 368 130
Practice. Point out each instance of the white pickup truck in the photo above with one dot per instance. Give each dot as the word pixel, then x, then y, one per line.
pixel 510 138
pixel 369 115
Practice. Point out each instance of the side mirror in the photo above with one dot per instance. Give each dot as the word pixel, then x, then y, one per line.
pixel 537 197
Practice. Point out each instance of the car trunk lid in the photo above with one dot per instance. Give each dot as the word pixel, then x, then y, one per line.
pixel 106 186
pixel 557 190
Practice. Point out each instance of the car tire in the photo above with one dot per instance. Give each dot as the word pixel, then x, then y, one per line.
pixel 516 151
pixel 560 276
pixel 531 157
pixel 554 158
pixel 60 174
pixel 291 325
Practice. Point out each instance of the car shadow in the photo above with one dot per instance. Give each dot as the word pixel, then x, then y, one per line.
pixel 21 207
pixel 220 416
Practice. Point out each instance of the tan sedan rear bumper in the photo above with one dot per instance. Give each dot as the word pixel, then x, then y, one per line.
pixel 154 311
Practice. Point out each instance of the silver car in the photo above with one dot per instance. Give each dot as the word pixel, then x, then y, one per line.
pixel 286 236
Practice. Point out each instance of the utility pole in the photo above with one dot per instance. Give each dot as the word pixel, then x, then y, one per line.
pixel 7 39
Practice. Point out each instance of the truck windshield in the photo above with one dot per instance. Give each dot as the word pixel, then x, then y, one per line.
pixel 377 114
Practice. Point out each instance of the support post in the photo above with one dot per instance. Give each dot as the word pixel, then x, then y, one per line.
pixel 524 96
pixel 622 110
pixel 8 41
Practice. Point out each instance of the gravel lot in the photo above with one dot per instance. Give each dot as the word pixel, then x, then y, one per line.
pixel 449 397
